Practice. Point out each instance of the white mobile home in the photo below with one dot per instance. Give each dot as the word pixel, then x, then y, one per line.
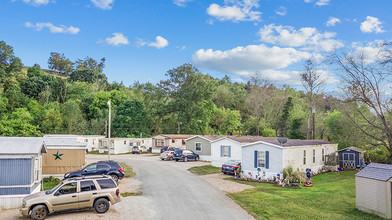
pixel 169 140
pixel 122 145
pixel 91 141
pixel 269 157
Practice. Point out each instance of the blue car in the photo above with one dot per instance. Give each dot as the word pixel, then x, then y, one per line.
pixel 185 155
pixel 108 167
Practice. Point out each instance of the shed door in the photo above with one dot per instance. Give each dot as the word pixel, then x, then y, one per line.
pixel 349 160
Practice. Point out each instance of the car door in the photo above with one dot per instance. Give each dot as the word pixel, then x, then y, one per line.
pixel 66 197
pixel 102 169
pixel 87 192
pixel 90 170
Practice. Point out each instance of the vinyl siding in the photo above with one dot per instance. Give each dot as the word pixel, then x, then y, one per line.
pixel 235 152
pixel 275 160
pixel 15 172
pixel 205 146
pixel 373 196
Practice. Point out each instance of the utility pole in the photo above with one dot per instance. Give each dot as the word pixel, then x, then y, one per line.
pixel 313 122
pixel 110 143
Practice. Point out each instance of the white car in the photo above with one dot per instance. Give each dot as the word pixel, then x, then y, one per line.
pixel 139 149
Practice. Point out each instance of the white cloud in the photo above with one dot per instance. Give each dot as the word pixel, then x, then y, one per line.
pixel 35 2
pixel 52 28
pixel 282 11
pixel 244 61
pixel 181 3
pixel 117 39
pixel 159 43
pixel 369 52
pixel 332 21
pixel 319 2
pixel 103 4
pixel 371 24
pixel 307 37
pixel 322 2
pixel 235 10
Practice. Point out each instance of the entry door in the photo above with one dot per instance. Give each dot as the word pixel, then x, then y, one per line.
pixel 349 160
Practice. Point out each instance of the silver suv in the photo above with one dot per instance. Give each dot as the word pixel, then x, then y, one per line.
pixel 96 192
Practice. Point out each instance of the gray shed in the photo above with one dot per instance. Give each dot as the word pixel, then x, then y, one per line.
pixel 373 189
pixel 20 165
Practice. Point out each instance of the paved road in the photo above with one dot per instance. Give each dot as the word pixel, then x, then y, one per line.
pixel 173 193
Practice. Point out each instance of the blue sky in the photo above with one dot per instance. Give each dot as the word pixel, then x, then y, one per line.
pixel 142 39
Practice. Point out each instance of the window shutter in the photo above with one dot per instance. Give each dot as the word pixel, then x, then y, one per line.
pixel 229 151
pixel 267 159
pixel 221 151
pixel 255 158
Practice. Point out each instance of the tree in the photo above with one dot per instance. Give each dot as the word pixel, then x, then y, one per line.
pixel 365 82
pixel 18 123
pixel 312 81
pixel 224 120
pixel 284 117
pixel 90 64
pixel 8 61
pixel 60 63
pixel 74 121
pixel 131 120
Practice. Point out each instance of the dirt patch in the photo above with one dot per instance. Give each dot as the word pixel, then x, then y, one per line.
pixel 217 180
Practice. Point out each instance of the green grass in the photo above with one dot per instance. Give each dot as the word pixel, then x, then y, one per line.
pixel 128 171
pixel 204 170
pixel 96 152
pixel 126 194
pixel 331 197
pixel 50 182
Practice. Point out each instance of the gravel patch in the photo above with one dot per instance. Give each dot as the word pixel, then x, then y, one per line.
pixel 217 180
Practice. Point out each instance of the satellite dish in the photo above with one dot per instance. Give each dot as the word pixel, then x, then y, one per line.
pixel 282 140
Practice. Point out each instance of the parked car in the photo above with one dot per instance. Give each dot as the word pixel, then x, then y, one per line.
pixel 163 149
pixel 167 155
pixel 185 155
pixel 139 149
pixel 231 167
pixel 96 192
pixel 107 167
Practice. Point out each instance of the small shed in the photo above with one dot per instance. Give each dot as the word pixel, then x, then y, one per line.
pixel 373 189
pixel 20 169
pixel 351 157
pixel 64 155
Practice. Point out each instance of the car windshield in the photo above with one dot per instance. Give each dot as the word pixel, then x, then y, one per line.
pixel 53 189
pixel 177 151
pixel 134 148
pixel 232 163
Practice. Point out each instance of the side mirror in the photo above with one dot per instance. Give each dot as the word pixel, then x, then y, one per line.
pixel 57 193
pixel 85 170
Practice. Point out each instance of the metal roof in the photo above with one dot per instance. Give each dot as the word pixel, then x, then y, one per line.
pixel 22 145
pixel 175 136
pixel 377 171
pixel 353 149
pixel 274 140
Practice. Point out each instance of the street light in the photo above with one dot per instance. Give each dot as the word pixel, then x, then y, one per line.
pixel 109 128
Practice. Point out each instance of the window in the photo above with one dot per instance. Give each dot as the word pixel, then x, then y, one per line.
pixel 322 154
pixel 173 141
pixel 143 141
pixel 304 157
pixel 86 140
pixel 106 183
pixel 91 167
pixel 198 146
pixel 87 186
pixel 225 151
pixel 314 155
pixel 104 143
pixel 159 142
pixel 37 169
pixel 103 167
pixel 125 142
pixel 260 158
pixel 68 188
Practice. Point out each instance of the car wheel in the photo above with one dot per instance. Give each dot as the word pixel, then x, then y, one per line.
pixel 101 205
pixel 39 212
pixel 176 160
pixel 140 152
pixel 171 158
pixel 186 159
pixel 197 158
pixel 114 177
pixel 162 158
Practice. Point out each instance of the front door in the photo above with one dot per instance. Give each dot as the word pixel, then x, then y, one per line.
pixel 66 197
pixel 349 160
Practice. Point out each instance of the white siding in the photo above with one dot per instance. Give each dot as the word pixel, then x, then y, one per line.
pixel 294 156
pixel 275 160
pixel 373 196
pixel 236 152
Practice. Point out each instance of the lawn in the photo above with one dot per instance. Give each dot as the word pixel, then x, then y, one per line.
pixel 331 197
pixel 50 182
pixel 128 171
pixel 204 170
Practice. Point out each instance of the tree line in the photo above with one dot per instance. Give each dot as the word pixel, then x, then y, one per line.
pixel 34 102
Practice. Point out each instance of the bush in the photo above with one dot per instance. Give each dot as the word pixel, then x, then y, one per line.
pixel 51 179
pixel 293 176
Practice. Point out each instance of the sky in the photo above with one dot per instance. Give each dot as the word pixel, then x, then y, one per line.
pixel 143 39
